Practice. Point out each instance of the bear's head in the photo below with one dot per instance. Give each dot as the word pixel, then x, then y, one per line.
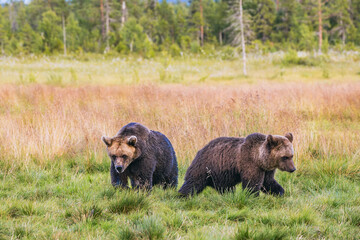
pixel 122 151
pixel 281 152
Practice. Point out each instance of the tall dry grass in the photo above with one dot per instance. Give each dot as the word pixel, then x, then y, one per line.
pixel 42 123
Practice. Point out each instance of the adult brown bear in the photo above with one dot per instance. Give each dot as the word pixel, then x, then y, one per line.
pixel 226 161
pixel 145 156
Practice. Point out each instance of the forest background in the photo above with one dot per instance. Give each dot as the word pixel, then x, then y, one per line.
pixel 73 71
pixel 149 27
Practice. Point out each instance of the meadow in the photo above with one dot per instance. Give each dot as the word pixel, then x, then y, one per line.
pixel 54 171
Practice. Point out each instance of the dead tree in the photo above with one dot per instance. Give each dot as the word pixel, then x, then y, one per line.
pixel 236 28
pixel 107 20
pixel 201 24
pixel 320 25
pixel 64 33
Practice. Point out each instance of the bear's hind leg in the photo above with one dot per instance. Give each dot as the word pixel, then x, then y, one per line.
pixel 191 187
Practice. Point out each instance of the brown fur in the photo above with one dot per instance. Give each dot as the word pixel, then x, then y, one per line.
pixel 225 162
pixel 145 156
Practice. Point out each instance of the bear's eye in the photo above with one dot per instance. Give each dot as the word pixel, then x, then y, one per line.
pixel 113 157
pixel 284 158
pixel 124 156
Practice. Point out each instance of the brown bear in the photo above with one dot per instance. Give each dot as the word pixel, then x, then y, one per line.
pixel 227 161
pixel 145 156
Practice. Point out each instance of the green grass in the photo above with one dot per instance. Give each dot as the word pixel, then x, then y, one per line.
pixel 54 175
pixel 65 203
pixel 193 70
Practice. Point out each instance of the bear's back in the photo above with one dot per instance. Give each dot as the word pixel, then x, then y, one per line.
pixel 134 129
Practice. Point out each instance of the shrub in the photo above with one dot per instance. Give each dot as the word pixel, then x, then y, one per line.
pixel 175 51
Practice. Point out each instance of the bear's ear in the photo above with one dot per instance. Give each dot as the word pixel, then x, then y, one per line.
pixel 289 136
pixel 106 140
pixel 132 140
pixel 271 140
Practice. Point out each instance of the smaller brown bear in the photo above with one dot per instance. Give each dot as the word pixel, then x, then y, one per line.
pixel 145 156
pixel 225 162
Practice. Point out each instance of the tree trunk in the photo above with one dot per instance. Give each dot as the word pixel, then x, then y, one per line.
pixel 12 17
pixel 220 38
pixel 102 19
pixel 107 19
pixel 64 33
pixel 201 25
pixel 123 12
pixel 242 38
pixel 343 32
pixel 320 26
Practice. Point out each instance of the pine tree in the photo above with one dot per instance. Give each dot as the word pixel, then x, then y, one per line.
pixel 263 19
pixel 74 33
pixel 340 20
pixel 51 30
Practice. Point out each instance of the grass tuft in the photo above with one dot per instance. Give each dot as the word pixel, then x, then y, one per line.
pixel 151 228
pixel 128 201
pixel 239 199
pixel 238 215
pixel 256 233
pixel 83 213
pixel 19 209
pixel 126 233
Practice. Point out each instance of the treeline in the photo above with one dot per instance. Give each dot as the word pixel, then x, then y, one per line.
pixel 149 26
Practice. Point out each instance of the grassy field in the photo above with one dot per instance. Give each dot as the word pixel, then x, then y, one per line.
pixel 189 70
pixel 54 172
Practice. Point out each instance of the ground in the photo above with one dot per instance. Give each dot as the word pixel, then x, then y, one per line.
pixel 54 172
pixel 77 202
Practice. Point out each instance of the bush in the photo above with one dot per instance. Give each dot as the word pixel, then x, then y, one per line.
pixel 175 50
pixel 292 58
pixel 195 47
pixel 228 53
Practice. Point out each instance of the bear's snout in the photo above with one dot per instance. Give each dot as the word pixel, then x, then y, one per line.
pixel 118 168
pixel 292 170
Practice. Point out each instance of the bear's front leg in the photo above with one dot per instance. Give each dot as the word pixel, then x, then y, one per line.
pixel 271 186
pixel 118 179
pixel 253 180
pixel 142 182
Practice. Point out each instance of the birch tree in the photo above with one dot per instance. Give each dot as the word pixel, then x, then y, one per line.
pixel 107 25
pixel 123 12
pixel 237 29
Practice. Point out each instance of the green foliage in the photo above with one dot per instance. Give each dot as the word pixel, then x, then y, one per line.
pixel 263 19
pixel 195 47
pixel 74 34
pixel 51 31
pixel 154 26
pixel 175 51
pixel 292 58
